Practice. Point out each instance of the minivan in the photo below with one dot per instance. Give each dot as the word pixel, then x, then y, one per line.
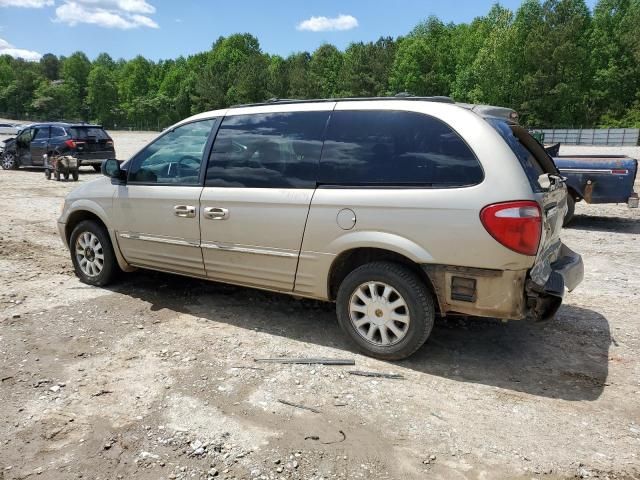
pixel 396 209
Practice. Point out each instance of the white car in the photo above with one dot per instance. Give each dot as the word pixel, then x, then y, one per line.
pixel 8 129
pixel 393 208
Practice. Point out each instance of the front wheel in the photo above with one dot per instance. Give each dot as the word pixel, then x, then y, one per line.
pixel 385 309
pixel 9 161
pixel 92 254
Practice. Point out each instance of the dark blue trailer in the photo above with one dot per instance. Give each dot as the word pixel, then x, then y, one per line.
pixel 598 179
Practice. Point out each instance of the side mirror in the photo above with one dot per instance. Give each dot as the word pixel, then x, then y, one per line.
pixel 111 168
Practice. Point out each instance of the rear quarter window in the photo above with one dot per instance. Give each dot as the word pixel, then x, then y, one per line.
pixel 395 148
pixel 57 132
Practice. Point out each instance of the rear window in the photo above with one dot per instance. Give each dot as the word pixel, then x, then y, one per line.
pixel 395 148
pixel 86 133
pixel 530 153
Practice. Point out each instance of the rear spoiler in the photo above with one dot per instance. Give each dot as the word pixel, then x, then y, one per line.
pixel 491 111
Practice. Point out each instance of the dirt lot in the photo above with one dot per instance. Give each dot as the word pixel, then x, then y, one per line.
pixel 154 378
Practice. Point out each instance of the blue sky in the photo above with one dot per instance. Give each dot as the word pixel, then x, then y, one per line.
pixel 169 28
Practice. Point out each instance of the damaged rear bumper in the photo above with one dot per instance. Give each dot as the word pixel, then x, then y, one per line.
pixel 507 294
pixel 565 273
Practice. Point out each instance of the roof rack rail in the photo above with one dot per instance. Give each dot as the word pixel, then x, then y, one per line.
pixel 399 96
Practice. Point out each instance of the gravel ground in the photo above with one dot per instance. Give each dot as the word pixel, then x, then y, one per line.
pixel 154 377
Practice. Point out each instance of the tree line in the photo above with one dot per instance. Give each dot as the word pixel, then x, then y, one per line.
pixel 555 61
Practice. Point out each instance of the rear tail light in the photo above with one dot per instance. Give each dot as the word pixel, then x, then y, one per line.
pixel 516 225
pixel 619 171
pixel 110 143
pixel 70 143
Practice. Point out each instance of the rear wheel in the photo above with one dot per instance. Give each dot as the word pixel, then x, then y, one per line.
pixel 9 161
pixel 92 254
pixel 385 309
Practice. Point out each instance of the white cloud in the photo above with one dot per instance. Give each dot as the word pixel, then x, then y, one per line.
pixel 122 14
pixel 7 49
pixel 324 24
pixel 129 6
pixel 26 3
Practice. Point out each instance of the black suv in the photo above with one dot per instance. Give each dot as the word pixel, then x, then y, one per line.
pixel 90 144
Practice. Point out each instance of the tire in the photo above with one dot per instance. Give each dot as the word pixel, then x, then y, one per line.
pixel 47 174
pixel 418 311
pixel 9 161
pixel 56 175
pixel 97 168
pixel 66 175
pixel 571 209
pixel 75 175
pixel 83 247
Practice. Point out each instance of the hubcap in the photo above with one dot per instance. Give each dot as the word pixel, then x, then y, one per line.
pixel 8 161
pixel 89 254
pixel 379 313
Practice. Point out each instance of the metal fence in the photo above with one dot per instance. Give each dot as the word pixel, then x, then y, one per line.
pixel 590 136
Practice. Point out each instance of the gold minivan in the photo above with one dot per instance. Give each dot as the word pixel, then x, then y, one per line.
pixel 397 209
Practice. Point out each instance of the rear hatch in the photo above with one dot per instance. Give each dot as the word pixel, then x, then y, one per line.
pixel 549 189
pixel 91 139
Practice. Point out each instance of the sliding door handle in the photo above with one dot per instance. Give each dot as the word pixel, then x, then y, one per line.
pixel 216 213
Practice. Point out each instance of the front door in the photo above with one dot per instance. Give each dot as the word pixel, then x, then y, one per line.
pixel 260 181
pixel 39 145
pixel 23 146
pixel 157 211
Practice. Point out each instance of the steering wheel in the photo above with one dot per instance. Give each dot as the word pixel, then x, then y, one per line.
pixel 183 164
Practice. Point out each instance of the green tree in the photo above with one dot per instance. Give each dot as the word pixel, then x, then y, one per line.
pixel 485 70
pixel 76 68
pixel 298 75
pixel 235 71
pixel 324 71
pixel 102 95
pixel 277 77
pixel 614 58
pixel 56 100
pixel 424 63
pixel 551 57
pixel 366 68
pixel 50 66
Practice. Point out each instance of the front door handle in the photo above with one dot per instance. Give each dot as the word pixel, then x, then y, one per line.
pixel 186 211
pixel 216 213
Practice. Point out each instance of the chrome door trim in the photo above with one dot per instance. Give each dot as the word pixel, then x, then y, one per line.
pixel 158 239
pixel 254 250
pixel 589 170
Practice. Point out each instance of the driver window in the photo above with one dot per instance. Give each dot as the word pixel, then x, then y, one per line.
pixel 25 137
pixel 174 158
